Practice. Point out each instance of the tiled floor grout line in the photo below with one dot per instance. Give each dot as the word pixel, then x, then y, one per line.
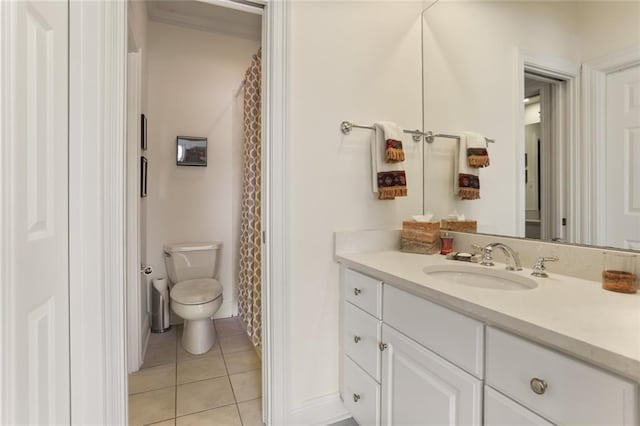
pixel 235 399
pixel 200 380
pixel 225 357
pixel 226 368
pixel 188 383
pixel 208 409
pixel 152 390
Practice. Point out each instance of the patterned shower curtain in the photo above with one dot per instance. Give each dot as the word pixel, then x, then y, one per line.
pixel 250 276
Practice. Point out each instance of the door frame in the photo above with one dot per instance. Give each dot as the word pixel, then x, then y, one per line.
pixel 594 116
pixel 98 54
pixel 7 99
pixel 135 338
pixel 97 170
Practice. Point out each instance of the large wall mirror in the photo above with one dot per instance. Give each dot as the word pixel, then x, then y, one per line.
pixel 557 86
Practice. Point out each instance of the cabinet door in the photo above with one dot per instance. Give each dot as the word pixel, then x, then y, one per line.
pixel 421 388
pixel 502 411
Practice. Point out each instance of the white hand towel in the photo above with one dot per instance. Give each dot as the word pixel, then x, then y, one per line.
pixel 466 183
pixel 390 130
pixel 388 179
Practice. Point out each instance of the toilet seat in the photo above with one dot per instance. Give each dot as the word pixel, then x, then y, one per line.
pixel 196 292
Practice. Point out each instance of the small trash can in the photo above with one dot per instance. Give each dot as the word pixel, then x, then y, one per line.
pixel 160 321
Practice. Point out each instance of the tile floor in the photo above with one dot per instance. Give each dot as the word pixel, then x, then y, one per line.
pixel 221 387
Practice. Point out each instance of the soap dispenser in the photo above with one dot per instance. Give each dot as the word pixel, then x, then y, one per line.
pixel 446 243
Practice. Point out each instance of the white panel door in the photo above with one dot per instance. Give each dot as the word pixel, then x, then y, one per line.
pixel 35 200
pixel 419 388
pixel 623 159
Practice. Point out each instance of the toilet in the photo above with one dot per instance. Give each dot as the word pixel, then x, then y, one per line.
pixel 195 293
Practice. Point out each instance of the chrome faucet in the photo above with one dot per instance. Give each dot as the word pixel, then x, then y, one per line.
pixel 513 260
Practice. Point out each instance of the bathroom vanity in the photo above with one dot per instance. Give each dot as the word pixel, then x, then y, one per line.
pixel 421 348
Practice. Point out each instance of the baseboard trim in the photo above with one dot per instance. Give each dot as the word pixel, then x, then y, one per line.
pixel 324 410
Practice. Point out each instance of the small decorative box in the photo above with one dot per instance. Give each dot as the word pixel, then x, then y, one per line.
pixel 420 237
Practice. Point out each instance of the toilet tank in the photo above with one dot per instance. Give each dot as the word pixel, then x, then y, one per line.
pixel 188 261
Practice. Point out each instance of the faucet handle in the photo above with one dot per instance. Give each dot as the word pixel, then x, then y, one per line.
pixel 477 247
pixel 487 259
pixel 539 270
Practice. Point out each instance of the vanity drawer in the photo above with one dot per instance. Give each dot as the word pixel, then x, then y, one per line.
pixel 575 393
pixel 363 291
pixel 361 395
pixel 502 411
pixel 455 337
pixel 362 334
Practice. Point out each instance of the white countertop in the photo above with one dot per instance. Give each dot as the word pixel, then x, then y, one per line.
pixel 571 315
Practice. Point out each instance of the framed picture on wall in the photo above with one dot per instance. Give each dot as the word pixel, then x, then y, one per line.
pixel 191 151
pixel 143 131
pixel 144 167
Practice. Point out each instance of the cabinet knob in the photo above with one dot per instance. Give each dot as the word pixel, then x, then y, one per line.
pixel 356 339
pixel 357 291
pixel 382 346
pixel 356 397
pixel 539 386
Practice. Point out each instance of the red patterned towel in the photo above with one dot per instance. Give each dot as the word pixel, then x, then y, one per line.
pixel 468 187
pixel 478 157
pixel 393 152
pixel 392 184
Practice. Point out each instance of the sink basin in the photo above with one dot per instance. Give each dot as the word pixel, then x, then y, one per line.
pixel 480 277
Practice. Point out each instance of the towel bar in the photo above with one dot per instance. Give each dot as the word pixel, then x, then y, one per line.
pixel 417 135
pixel 430 136
pixel 346 127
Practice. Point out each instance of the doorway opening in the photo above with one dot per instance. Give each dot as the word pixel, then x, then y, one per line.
pixel 194 73
pixel 546 131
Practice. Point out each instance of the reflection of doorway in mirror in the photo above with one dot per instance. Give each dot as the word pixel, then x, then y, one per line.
pixel 544 130
pixel 532 167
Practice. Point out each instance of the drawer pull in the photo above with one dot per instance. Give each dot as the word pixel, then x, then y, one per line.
pixel 357 291
pixel 356 397
pixel 356 339
pixel 539 386
pixel 382 346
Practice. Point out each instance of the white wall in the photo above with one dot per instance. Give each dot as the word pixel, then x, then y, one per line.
pixel 358 61
pixel 192 79
pixel 471 84
pixel 608 26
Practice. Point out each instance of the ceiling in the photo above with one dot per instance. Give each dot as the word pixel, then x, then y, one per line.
pixel 206 17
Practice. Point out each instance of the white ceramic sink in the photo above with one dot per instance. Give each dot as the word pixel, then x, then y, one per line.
pixel 480 277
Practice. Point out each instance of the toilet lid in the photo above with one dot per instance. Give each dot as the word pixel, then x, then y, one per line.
pixel 196 292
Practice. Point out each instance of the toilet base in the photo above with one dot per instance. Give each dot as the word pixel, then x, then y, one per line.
pixel 198 336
